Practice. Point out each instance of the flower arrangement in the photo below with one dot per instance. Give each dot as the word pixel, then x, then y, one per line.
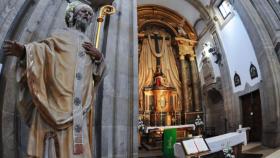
pixel 198 122
pixel 141 126
pixel 228 152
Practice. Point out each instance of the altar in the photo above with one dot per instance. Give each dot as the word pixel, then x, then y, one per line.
pixel 217 143
pixel 182 131
pixel 155 135
pixel 192 126
pixel 169 90
pixel 160 101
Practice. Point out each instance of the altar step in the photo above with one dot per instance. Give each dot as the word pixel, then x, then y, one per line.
pixel 275 154
pixel 255 148
pixel 143 153
pixel 250 146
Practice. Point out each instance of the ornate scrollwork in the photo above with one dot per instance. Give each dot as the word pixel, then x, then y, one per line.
pixel 105 10
pixel 186 46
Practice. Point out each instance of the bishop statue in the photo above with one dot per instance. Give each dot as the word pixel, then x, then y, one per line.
pixel 58 77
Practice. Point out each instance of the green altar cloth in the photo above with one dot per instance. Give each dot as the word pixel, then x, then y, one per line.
pixel 169 139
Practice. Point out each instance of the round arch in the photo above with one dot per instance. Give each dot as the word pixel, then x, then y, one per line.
pixel 164 16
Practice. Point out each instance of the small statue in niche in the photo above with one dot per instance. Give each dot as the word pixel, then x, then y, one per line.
pixel 199 124
pixel 181 31
pixel 213 50
pixel 205 48
pixel 159 78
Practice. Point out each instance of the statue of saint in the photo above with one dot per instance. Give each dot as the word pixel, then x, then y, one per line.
pixel 58 77
pixel 181 31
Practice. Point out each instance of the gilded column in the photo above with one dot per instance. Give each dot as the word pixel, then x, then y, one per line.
pixel 195 83
pixel 184 68
pixel 185 50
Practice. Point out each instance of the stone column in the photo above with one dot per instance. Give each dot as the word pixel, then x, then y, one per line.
pixel 195 83
pixel 185 91
pixel 183 51
pixel 119 98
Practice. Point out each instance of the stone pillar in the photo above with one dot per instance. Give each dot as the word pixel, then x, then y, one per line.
pixel 183 51
pixel 186 48
pixel 184 68
pixel 119 99
pixel 185 91
pixel 195 84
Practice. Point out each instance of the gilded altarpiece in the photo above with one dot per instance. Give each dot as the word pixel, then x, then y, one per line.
pixel 169 87
pixel 159 81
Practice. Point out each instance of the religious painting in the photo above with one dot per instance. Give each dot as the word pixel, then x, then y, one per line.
pixel 237 80
pixel 162 101
pixel 253 71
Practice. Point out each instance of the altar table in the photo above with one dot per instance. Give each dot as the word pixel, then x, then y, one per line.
pixel 168 127
pixel 217 143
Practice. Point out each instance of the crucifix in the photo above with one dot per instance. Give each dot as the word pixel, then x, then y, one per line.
pixel 156 37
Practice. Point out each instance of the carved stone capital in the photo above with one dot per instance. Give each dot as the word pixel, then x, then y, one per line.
pixel 141 36
pixel 182 57
pixel 192 57
pixel 186 46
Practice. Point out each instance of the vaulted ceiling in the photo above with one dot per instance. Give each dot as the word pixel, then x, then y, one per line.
pixel 191 10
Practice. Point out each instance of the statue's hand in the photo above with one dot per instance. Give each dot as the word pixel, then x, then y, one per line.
pixel 13 48
pixel 92 51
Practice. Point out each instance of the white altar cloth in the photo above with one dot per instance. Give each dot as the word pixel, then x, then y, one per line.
pixel 230 139
pixel 168 127
pixel 217 143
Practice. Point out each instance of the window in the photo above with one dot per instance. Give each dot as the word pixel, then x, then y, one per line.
pixel 223 12
pixel 224 8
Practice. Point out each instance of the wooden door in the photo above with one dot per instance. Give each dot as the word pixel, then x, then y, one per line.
pixel 252 115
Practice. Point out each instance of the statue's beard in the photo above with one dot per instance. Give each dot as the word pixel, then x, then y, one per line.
pixel 82 24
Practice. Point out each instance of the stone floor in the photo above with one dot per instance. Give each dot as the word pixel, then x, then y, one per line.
pixel 149 154
pixel 257 148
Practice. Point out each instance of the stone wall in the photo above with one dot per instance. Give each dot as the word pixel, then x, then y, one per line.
pixel 261 23
pixel 261 20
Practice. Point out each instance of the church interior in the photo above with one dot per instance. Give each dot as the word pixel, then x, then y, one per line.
pixel 179 71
